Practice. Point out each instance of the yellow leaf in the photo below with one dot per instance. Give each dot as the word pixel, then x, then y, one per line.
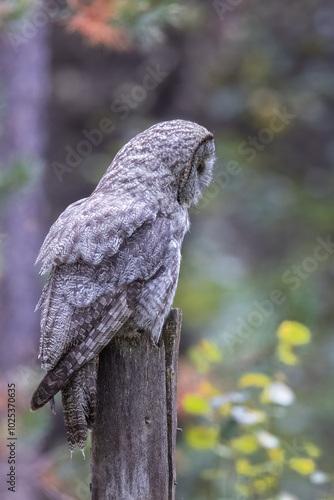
pixel 211 351
pixel 305 466
pixel 205 354
pixel 244 467
pixel 195 404
pixel 312 450
pixel 225 410
pixel 254 380
pixel 201 363
pixel 285 354
pixel 276 455
pixel 202 438
pixel 259 485
pixel 246 444
pixel 266 483
pixel 294 333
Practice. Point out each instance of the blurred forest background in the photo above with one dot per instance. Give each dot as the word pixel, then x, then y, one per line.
pixel 78 79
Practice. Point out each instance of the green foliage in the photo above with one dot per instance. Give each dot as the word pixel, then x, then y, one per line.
pixel 204 355
pixel 195 404
pixel 202 437
pixel 22 172
pixel 198 296
pixel 14 10
pixel 146 20
pixel 240 426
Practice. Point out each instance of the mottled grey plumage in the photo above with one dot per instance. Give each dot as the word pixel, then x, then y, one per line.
pixel 114 261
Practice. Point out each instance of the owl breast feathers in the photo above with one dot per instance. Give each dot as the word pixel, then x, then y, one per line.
pixel 114 261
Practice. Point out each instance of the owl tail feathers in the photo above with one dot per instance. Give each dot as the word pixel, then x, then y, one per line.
pixel 44 392
pixel 78 397
pixel 79 401
pixel 56 379
pixel 53 382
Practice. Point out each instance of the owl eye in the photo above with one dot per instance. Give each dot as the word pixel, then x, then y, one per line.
pixel 201 167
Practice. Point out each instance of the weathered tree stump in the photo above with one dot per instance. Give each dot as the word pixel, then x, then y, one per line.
pixel 134 437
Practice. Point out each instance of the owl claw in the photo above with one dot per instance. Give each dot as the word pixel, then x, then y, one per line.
pixel 53 406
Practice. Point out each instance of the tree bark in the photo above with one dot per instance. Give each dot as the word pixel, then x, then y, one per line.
pixel 24 88
pixel 134 436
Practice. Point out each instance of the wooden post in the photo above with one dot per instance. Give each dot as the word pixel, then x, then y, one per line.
pixel 134 436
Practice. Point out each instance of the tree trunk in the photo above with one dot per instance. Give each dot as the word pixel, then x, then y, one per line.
pixel 134 437
pixel 24 85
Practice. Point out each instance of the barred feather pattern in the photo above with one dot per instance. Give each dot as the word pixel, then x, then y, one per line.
pixel 79 401
pixel 114 261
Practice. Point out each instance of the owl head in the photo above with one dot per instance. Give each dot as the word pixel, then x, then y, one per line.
pixel 174 159
pixel 194 171
pixel 187 154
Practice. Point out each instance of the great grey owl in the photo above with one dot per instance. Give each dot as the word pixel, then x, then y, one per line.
pixel 114 261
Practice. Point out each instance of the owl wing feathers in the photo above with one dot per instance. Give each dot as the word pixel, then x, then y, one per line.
pixel 84 305
pixel 93 228
pixel 82 353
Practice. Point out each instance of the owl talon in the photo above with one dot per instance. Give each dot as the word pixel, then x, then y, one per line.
pixel 53 406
